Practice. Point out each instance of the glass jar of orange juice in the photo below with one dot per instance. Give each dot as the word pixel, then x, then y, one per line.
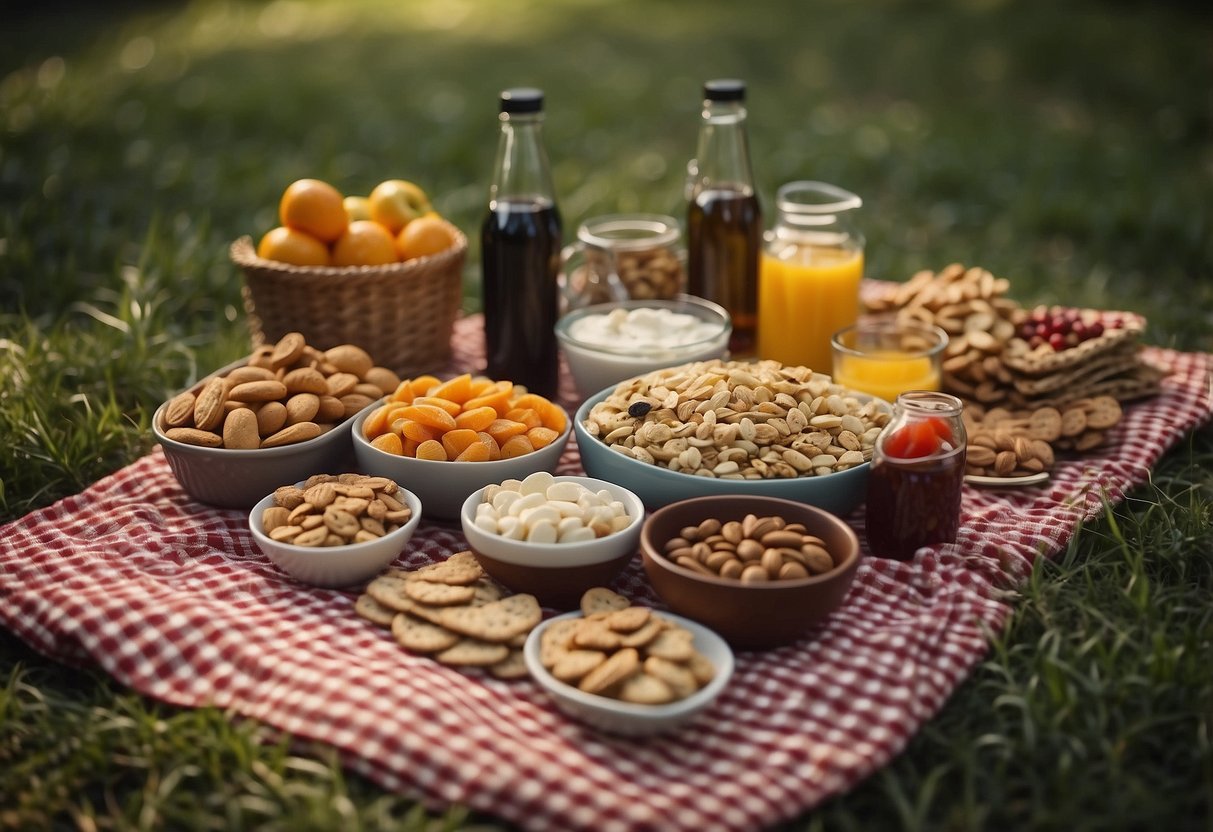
pixel 808 279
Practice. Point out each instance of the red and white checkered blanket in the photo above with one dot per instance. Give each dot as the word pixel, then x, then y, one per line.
pixel 173 599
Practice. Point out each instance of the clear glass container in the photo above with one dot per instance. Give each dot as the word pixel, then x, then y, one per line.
pixel 621 257
pixel 812 264
pixel 917 476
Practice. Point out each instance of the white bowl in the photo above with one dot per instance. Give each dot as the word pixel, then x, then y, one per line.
pixel 627 718
pixel 336 566
pixel 230 478
pixel 595 366
pixel 556 573
pixel 443 486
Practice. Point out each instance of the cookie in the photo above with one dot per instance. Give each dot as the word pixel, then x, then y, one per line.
pixel 1102 412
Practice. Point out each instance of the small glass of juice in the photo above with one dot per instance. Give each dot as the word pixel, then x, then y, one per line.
pixel 885 358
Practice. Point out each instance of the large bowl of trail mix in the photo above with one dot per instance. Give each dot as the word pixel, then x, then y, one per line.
pixel 718 427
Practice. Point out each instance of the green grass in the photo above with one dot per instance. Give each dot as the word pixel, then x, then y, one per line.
pixel 1068 147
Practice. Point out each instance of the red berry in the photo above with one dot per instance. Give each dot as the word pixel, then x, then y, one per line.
pixel 1057 341
pixel 1095 330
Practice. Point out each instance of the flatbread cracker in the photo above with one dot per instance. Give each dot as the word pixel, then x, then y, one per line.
pixel 439 594
pixel 497 622
pixel 374 612
pixel 601 599
pixel 421 636
pixel 511 667
pixel 472 652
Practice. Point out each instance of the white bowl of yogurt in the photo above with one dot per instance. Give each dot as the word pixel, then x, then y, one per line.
pixel 609 342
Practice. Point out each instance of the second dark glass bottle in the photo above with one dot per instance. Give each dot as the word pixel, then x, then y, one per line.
pixel 520 242
pixel 724 219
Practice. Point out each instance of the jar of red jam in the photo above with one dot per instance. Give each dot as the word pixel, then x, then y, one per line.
pixel 916 478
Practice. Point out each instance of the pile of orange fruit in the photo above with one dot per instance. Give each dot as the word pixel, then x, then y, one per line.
pixel 322 227
pixel 464 419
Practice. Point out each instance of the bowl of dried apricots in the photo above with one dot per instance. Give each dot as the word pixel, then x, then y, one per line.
pixel 445 439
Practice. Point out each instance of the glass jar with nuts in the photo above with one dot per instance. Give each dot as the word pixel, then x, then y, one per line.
pixel 623 257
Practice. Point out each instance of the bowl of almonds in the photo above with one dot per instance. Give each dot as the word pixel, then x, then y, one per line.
pixel 335 530
pixel 760 571
pixel 279 415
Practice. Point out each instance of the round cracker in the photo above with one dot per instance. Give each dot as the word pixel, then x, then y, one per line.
pixel 421 636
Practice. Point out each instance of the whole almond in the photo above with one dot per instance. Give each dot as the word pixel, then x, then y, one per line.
pixel 354 402
pixel 331 409
pixel 180 411
pixel 263 357
pixel 305 380
pixel 240 430
pixel 208 407
pixel 302 407
pixel 288 349
pixel 349 358
pixel 383 378
pixel 271 418
pixel 298 432
pixel 341 383
pixel 194 436
pixel 258 391
pixel 369 390
pixel 248 373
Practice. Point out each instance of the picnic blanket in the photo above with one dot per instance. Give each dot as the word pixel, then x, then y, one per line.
pixel 172 598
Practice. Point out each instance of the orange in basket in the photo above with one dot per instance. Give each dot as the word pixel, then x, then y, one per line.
pixel 465 419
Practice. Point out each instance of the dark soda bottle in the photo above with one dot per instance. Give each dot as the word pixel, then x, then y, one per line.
pixel 520 244
pixel 724 218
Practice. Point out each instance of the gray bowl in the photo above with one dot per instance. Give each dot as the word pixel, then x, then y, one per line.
pixel 229 478
pixel 838 493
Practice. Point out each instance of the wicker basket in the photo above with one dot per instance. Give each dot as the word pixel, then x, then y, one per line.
pixel 402 313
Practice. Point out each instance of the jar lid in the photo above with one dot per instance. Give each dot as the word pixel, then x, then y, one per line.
pixel 724 89
pixel 629 231
pixel 522 100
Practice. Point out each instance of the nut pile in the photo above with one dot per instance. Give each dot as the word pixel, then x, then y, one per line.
pixel 738 420
pixel 625 652
pixel 750 550
pixel 288 392
pixel 335 511
pixel 454 613
pixel 646 273
pixel 970 305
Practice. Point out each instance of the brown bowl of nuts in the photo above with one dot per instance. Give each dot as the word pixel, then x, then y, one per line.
pixel 335 530
pixel 280 415
pixel 760 571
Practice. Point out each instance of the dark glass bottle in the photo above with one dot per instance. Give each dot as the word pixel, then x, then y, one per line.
pixel 520 244
pixel 724 219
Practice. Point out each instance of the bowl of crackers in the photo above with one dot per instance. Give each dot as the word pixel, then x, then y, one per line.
pixel 554 537
pixel 627 669
pixel 760 571
pixel 278 415
pixel 335 530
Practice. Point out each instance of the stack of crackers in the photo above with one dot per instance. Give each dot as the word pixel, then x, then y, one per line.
pixel 454 613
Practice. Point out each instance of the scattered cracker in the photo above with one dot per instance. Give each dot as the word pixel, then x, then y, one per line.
pixel 373 611
pixel 498 621
pixel 472 652
pixel 421 636
pixel 439 594
pixel 601 599
pixel 511 667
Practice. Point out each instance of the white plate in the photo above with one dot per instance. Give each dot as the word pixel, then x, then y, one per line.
pixel 1006 482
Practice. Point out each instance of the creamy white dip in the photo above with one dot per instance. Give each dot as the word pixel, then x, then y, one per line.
pixel 643 328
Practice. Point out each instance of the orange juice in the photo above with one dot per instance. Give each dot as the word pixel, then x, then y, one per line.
pixel 886 373
pixel 806 293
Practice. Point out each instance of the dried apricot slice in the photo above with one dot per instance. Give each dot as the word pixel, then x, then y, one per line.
pixel 453 408
pixel 525 415
pixel 390 443
pixel 408 429
pixel 377 422
pixel 432 449
pixel 429 415
pixel 422 384
pixel 490 443
pixel 454 441
pixel 403 392
pixel 541 437
pixel 478 418
pixel 458 389
pixel 476 452
pixel 517 445
pixel 496 396
pixel 505 429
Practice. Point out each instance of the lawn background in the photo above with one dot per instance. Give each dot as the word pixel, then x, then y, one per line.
pixel 1067 147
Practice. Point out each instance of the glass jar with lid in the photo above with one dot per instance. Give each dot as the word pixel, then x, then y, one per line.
pixel 621 257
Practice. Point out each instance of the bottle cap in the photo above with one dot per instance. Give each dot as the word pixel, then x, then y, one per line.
pixel 724 89
pixel 522 100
